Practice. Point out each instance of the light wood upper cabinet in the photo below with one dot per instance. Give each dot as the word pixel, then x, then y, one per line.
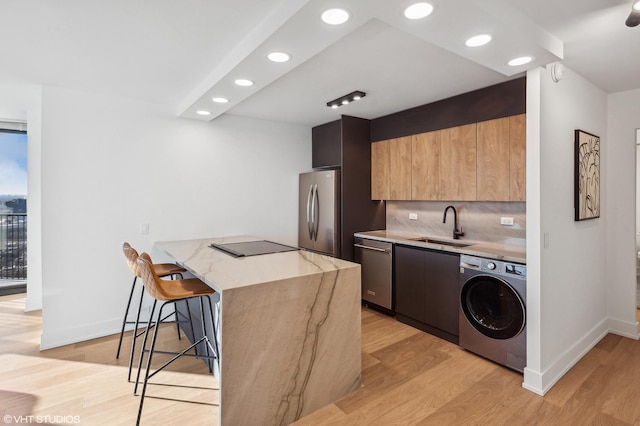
pixel 518 157
pixel 458 162
pixel 502 159
pixel 425 166
pixel 380 170
pixel 493 160
pixel 400 168
pixel 483 161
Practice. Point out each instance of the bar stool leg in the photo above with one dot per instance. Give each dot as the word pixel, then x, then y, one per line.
pixel 204 333
pixel 173 276
pixel 126 314
pixel 144 345
pixel 135 334
pixel 193 331
pixel 148 370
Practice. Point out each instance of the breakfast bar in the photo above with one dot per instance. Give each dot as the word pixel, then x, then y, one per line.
pixel 288 328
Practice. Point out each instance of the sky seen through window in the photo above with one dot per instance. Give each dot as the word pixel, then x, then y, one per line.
pixel 13 163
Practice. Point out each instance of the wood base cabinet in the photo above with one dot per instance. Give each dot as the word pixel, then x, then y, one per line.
pixel 426 290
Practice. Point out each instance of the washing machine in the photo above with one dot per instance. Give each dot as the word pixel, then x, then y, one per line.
pixel 492 310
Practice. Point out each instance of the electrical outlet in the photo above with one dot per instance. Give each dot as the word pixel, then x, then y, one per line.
pixel 144 228
pixel 506 221
pixel 413 216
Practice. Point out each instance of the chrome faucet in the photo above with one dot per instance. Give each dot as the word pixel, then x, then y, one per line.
pixel 456 233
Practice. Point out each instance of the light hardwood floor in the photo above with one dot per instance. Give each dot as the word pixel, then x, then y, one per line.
pixel 409 377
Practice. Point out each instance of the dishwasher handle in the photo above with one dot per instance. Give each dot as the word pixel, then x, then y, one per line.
pixel 371 248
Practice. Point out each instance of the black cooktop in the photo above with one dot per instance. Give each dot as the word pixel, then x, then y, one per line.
pixel 252 248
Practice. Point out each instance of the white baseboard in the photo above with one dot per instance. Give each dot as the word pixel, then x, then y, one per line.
pixel 540 383
pixel 80 333
pixel 624 328
pixel 84 332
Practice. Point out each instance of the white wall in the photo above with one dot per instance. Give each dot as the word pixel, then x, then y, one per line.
pixel 566 260
pixel 19 101
pixel 624 119
pixel 110 164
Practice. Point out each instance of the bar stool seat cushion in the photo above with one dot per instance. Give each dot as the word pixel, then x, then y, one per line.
pixel 179 289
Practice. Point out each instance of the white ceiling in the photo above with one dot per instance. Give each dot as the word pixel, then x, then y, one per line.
pixel 181 53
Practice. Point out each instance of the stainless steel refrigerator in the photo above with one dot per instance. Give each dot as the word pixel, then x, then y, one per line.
pixel 319 212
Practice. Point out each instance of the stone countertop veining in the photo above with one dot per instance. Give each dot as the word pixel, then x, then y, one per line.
pixel 288 327
pixel 498 251
pixel 225 272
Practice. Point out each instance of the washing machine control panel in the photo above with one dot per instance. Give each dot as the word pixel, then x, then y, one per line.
pixel 496 267
pixel 520 270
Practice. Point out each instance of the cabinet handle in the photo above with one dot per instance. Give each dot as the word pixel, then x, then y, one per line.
pixel 371 248
pixel 309 220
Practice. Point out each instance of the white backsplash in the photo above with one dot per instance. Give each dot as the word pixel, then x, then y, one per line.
pixel 480 221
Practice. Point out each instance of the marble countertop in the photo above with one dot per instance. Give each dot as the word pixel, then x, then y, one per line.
pixel 288 329
pixel 223 272
pixel 505 252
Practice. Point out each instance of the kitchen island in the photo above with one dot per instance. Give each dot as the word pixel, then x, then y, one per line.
pixel 288 329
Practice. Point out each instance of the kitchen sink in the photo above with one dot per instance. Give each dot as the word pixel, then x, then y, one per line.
pixel 443 242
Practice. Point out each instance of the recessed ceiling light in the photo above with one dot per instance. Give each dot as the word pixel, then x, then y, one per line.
pixel 636 6
pixel 203 112
pixel 335 16
pixel 478 40
pixel 220 100
pixel 520 61
pixel 418 11
pixel 243 82
pixel 278 57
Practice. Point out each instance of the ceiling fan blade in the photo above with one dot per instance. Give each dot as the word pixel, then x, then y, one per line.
pixel 634 19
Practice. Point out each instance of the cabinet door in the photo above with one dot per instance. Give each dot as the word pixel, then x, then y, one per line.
pixel 518 157
pixel 326 145
pixel 442 273
pixel 400 168
pixel 380 170
pixel 458 163
pixel 409 282
pixel 425 166
pixel 493 160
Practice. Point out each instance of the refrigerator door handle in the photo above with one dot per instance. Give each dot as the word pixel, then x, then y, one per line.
pixel 316 217
pixel 309 207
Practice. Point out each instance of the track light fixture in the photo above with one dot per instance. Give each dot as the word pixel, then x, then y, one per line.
pixel 346 99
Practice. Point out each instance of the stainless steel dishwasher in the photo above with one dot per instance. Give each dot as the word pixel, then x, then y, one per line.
pixel 376 262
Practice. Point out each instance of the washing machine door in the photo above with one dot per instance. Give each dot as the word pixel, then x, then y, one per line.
pixel 493 307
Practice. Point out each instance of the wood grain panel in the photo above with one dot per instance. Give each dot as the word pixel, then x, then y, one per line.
pixel 518 157
pixel 493 160
pixel 380 170
pixel 425 166
pixel 400 169
pixel 458 163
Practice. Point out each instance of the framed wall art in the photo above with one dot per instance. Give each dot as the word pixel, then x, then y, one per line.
pixel 586 176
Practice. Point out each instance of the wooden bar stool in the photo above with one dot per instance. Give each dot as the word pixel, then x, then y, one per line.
pixel 169 292
pixel 162 270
